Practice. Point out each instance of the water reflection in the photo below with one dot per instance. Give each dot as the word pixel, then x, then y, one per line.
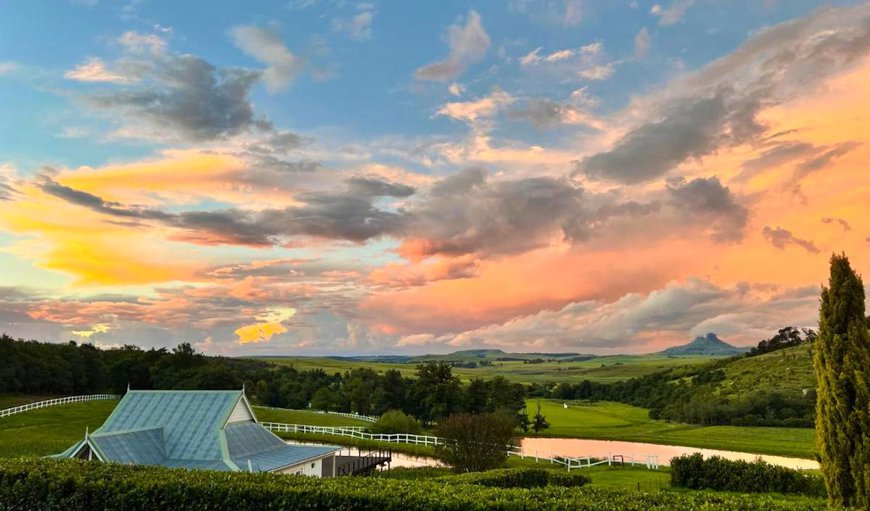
pixel 575 447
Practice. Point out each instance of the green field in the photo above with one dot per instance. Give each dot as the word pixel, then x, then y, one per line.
pixel 13 400
pixel 617 421
pixel 50 430
pixel 787 371
pixel 304 417
pixel 600 369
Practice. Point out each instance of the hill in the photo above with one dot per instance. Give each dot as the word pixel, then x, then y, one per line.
pixel 709 345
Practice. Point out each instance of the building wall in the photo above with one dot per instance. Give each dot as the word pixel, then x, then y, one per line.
pixel 240 413
pixel 306 468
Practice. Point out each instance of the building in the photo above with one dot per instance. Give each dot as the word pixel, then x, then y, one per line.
pixel 197 429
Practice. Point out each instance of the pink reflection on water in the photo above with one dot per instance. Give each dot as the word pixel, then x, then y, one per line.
pixel 580 448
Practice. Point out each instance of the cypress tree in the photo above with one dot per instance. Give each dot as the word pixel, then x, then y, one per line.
pixel 842 365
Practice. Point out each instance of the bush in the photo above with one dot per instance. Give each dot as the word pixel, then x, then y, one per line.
pixel 474 443
pixel 716 473
pixel 396 421
pixel 505 478
pixel 64 485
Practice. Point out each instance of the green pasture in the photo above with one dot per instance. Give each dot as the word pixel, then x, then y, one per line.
pixel 312 418
pixel 50 430
pixel 601 369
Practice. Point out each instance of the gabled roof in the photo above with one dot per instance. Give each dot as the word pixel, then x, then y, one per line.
pixel 189 429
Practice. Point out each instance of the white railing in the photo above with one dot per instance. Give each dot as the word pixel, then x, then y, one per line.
pixel 367 418
pixel 651 462
pixel 57 401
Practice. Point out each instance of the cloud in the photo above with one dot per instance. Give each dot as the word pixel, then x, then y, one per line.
pixel 707 200
pixel 843 224
pixel 596 73
pixel 820 161
pixel 673 14
pixel 780 238
pixel 545 113
pixel 456 89
pixel 138 43
pixel 534 57
pixel 466 213
pixel 358 26
pixel 270 324
pixel 717 106
pixel 642 42
pixel 95 70
pixel 473 111
pixel 266 46
pixel 7 67
pixel 468 44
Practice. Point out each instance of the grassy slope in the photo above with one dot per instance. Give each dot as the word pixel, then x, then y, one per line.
pixel 601 369
pixel 617 421
pixel 50 430
pixel 303 417
pixel 12 400
pixel 787 371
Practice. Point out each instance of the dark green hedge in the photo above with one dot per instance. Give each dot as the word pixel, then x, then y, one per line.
pixel 716 473
pixel 67 485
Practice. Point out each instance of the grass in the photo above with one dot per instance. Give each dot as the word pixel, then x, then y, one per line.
pixel 787 371
pixel 13 400
pixel 305 417
pixel 617 421
pixel 50 430
pixel 601 369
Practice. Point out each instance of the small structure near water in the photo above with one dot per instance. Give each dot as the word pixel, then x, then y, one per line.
pixel 198 429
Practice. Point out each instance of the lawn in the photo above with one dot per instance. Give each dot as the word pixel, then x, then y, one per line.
pixel 305 417
pixel 13 400
pixel 617 421
pixel 601 369
pixel 50 430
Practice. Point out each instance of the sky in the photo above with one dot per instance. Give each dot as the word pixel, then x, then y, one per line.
pixel 330 177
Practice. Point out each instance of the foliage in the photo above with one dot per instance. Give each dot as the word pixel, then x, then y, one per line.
pixel 715 473
pixel 842 363
pixel 539 421
pixel 475 442
pixel 60 485
pixel 396 421
pixel 786 338
pixel 520 478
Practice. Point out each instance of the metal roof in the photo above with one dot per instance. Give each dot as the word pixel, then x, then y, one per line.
pixel 188 429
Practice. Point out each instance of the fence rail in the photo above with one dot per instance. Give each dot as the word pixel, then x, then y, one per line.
pixel 57 401
pixel 357 432
pixel 367 418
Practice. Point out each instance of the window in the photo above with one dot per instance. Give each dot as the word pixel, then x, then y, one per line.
pixel 312 465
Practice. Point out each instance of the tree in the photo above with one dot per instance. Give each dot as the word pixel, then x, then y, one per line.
pixel 436 392
pixel 472 443
pixel 842 365
pixel 539 422
pixel 396 421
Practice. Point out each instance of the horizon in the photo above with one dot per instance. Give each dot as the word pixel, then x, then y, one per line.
pixel 330 178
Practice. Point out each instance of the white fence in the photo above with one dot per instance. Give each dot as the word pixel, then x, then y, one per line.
pixel 650 462
pixel 367 418
pixel 57 401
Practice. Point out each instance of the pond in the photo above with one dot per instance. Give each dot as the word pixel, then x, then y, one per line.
pixel 630 451
pixel 576 447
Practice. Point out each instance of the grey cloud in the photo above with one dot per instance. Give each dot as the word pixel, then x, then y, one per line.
pixel 777 155
pixel 373 187
pixel 545 113
pixel 843 224
pixel 708 200
pixel 781 238
pixel 188 96
pixel 468 44
pixel 820 161
pixel 266 46
pixel 466 213
pixel 717 106
pixel 97 204
pixel 6 189
pixel 688 130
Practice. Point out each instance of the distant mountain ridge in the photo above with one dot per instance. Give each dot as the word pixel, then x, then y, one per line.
pixel 708 344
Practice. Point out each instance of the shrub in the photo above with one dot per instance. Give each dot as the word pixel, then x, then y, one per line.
pixel 716 473
pixel 63 485
pixel 396 421
pixel 505 478
pixel 474 443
